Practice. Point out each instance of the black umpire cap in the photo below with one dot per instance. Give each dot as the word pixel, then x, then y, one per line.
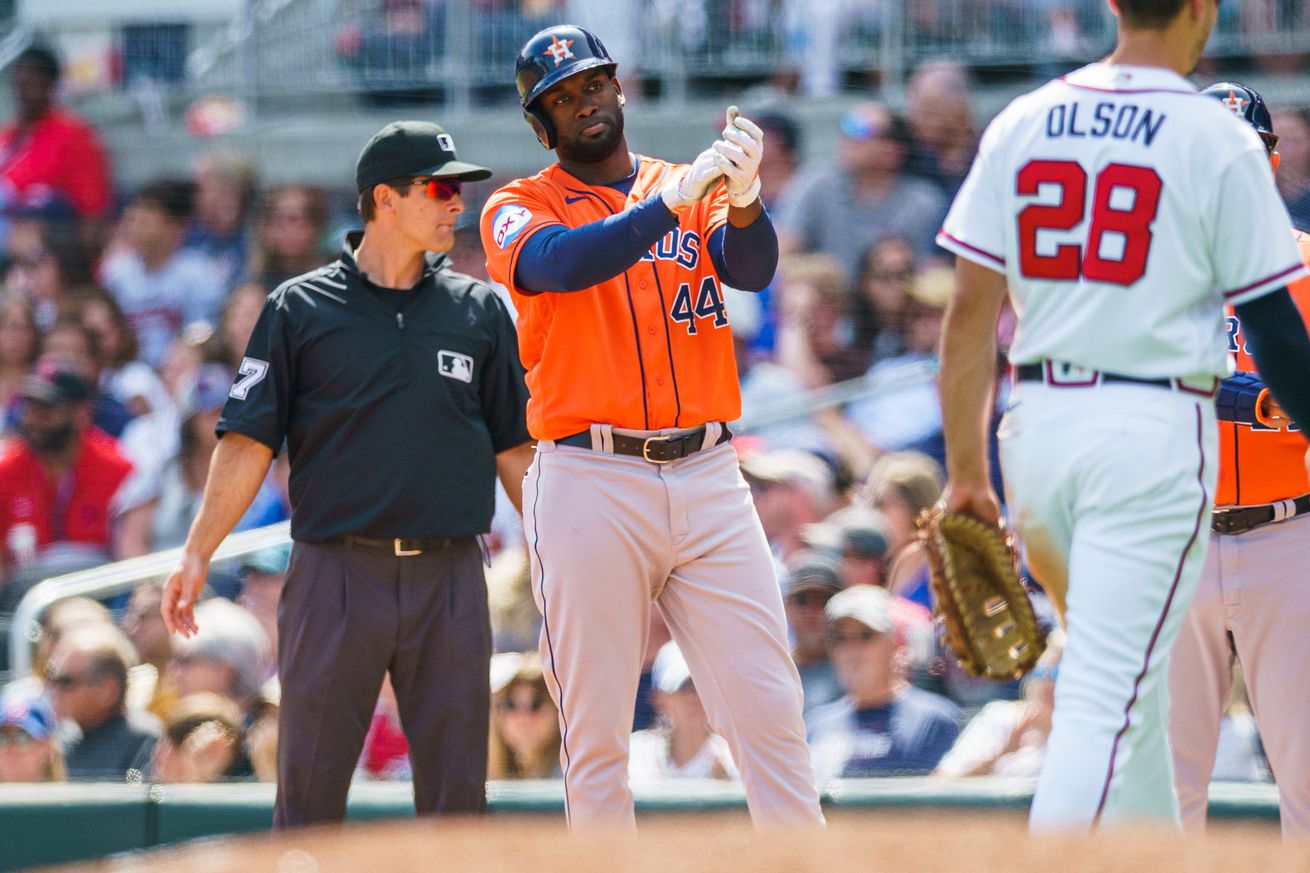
pixel 412 148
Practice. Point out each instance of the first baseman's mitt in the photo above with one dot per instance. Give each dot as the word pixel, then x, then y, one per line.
pixel 981 601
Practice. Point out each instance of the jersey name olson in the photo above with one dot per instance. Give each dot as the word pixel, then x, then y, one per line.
pixel 1126 121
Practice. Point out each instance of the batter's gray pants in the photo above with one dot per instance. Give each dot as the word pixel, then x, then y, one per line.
pixel 349 614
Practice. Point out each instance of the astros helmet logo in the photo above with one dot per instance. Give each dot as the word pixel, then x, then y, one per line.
pixel 1234 103
pixel 559 49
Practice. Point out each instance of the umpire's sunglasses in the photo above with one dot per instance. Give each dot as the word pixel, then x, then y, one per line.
pixel 439 189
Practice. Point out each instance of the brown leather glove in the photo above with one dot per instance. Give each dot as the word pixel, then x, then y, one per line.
pixel 986 614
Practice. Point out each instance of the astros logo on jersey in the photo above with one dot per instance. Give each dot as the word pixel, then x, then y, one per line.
pixel 559 49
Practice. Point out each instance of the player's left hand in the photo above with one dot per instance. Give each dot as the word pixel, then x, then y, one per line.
pixel 742 147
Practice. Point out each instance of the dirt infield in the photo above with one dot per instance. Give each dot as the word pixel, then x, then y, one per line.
pixel 905 843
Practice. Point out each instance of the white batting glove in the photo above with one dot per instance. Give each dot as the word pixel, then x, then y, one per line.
pixel 742 146
pixel 691 186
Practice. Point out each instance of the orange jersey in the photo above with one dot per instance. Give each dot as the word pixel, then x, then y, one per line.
pixel 646 350
pixel 1262 464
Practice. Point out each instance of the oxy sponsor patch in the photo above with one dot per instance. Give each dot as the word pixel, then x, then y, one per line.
pixel 508 223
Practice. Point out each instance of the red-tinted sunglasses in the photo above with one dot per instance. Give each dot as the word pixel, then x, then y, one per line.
pixel 440 189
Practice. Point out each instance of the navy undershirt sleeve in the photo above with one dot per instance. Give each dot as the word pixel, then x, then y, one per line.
pixel 1277 339
pixel 561 259
pixel 746 257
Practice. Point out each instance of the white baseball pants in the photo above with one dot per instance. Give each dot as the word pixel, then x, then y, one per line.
pixel 1254 586
pixel 1110 489
pixel 610 535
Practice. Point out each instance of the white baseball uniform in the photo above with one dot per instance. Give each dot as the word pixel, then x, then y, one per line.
pixel 1117 202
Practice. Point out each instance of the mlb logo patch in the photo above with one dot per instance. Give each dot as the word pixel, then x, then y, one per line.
pixel 454 365
pixel 508 223
pixel 447 144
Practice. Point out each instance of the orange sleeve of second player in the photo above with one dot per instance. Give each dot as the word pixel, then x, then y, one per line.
pixel 512 215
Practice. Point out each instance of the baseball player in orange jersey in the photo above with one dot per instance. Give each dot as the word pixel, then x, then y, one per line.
pixel 1248 604
pixel 616 262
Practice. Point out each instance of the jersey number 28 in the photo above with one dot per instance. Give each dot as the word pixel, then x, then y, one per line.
pixel 1132 223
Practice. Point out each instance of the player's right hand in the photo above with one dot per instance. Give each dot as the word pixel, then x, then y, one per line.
pixel 689 187
pixel 178 607
pixel 970 498
pixel 742 144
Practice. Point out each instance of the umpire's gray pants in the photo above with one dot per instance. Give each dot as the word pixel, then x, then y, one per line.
pixel 349 614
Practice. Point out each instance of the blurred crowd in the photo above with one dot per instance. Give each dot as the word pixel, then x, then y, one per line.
pixel 124 316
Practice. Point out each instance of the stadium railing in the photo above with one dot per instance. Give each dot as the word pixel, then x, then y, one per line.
pixel 115 578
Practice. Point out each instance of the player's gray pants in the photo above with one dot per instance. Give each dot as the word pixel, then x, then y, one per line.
pixel 348 615
pixel 1254 586
pixel 609 535
pixel 1110 489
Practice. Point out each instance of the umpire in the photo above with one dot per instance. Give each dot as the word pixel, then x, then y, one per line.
pixel 397 387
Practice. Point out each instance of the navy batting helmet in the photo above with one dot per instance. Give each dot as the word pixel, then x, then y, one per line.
pixel 1247 105
pixel 551 56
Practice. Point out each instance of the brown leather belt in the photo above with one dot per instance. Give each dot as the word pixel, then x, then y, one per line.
pixel 403 547
pixel 1240 519
pixel 656 449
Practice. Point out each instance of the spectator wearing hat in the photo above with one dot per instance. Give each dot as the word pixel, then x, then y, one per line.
pixel 811 582
pixel 60 480
pixel 791 488
pixel 28 751
pixel 68 343
pixel 881 726
pixel 396 385
pixel 842 208
pixel 681 746
pixel 48 148
pixel 525 731
pixel 160 285
pixel 86 678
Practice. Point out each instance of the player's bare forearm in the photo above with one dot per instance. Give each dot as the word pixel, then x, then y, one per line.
pixel 968 370
pixel 511 466
pixel 236 471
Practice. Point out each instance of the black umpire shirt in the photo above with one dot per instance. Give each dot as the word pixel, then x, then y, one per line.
pixel 393 405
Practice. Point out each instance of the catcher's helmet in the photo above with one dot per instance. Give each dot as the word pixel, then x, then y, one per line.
pixel 551 56
pixel 1247 105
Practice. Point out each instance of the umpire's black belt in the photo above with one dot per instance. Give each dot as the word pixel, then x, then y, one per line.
pixel 1055 375
pixel 401 546
pixel 1240 519
pixel 656 449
